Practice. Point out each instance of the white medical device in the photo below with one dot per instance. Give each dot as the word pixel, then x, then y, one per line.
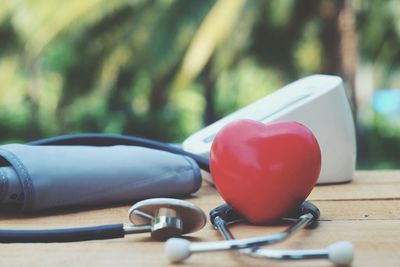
pixel 320 103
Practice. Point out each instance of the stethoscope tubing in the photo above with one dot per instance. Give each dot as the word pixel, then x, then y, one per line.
pixel 100 232
pixel 249 243
pixel 253 249
pixel 63 235
pixel 338 253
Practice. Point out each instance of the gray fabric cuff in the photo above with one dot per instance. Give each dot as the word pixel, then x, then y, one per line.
pixel 58 176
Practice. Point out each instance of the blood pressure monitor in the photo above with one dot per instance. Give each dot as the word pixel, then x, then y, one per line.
pixel 320 103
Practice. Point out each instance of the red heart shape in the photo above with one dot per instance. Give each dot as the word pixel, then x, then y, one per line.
pixel 265 170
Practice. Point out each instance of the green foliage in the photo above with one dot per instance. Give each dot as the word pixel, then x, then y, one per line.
pixel 162 69
pixel 379 27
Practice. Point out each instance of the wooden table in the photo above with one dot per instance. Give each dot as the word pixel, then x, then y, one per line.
pixel 365 212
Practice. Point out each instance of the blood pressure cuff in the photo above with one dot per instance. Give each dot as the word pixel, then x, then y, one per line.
pixel 58 176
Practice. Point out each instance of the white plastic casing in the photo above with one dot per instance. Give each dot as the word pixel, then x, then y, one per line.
pixel 320 103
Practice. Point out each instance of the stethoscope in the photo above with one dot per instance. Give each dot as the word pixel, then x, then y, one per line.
pixel 162 217
pixel 340 253
pixel 165 218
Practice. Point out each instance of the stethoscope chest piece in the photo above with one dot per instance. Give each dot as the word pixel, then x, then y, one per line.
pixel 167 217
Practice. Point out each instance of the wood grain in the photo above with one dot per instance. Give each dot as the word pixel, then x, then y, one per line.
pixel 365 212
pixel 366 185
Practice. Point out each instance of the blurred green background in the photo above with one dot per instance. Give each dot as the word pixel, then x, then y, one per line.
pixel 164 69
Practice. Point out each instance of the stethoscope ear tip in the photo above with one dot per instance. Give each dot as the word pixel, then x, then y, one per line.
pixel 177 249
pixel 341 253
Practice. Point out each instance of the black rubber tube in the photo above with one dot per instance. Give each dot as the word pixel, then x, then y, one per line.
pixel 62 235
pixel 116 139
pixel 308 207
pixel 229 215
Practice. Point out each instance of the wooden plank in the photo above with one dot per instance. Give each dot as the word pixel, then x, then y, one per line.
pixel 376 237
pixel 377 243
pixel 376 185
pixel 359 210
pixel 330 210
pixel 207 199
pixel 366 185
